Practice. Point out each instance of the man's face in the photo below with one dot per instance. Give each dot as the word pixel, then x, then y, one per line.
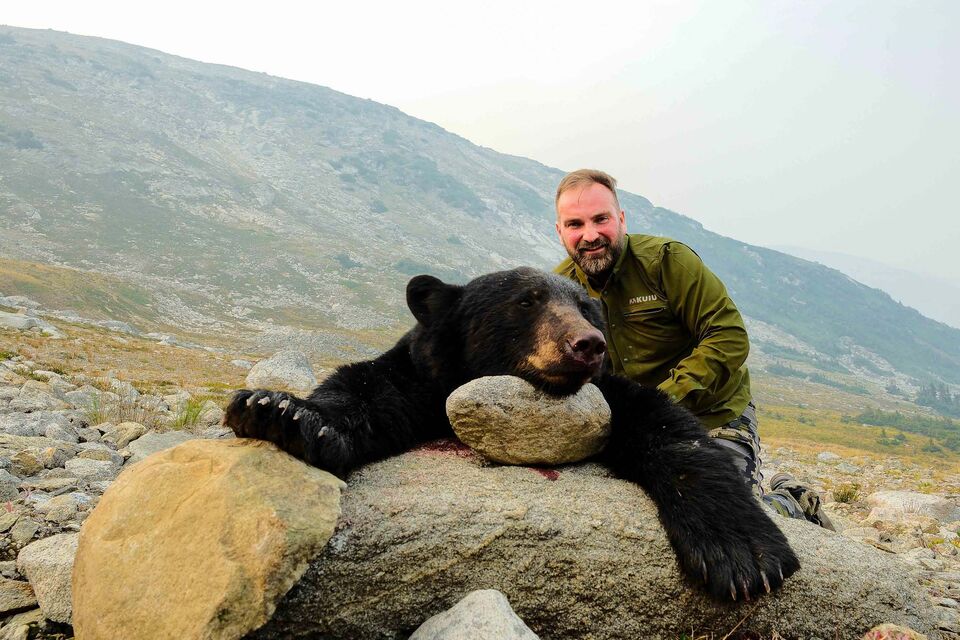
pixel 591 227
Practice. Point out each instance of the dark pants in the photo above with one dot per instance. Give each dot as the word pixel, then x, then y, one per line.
pixel 742 438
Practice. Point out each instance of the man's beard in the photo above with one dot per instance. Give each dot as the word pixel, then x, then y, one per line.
pixel 600 264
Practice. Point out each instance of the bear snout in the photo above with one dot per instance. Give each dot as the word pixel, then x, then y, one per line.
pixel 587 347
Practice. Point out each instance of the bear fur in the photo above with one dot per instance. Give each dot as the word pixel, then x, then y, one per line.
pixel 546 330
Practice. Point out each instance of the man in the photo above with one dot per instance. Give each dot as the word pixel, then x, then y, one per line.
pixel 670 324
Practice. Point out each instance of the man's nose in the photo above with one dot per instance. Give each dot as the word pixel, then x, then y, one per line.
pixel 590 233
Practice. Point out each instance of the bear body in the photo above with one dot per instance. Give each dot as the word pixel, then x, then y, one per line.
pixel 546 330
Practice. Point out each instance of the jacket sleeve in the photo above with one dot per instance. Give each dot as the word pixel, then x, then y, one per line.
pixel 699 300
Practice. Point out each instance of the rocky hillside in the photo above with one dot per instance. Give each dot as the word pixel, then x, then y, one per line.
pixel 183 197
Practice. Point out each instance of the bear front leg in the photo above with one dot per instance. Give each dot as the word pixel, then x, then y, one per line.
pixel 297 426
pixel 723 538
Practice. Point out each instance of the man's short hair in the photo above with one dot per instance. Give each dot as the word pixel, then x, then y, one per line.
pixel 584 177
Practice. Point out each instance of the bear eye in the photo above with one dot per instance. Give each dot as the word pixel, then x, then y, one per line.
pixel 526 303
pixel 585 308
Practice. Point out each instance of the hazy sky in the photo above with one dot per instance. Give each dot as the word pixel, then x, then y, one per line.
pixel 832 125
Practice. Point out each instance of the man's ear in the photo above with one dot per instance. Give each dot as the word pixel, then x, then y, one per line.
pixel 428 297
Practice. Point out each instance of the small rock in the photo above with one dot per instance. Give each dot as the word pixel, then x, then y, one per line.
pixel 86 397
pixel 37 396
pixel 243 364
pixel 283 370
pixel 124 389
pixel 481 615
pixel 210 414
pixel 47 564
pixel 846 467
pixel 27 462
pixel 828 456
pixel 63 508
pixel 49 483
pixel 99 486
pixel 87 434
pixel 92 469
pixel 36 423
pixel 61 433
pixel 15 595
pixel 107 455
pixel 176 400
pixel 153 403
pixel 23 626
pixel 124 433
pixel 217 433
pixel 8 486
pixel 24 530
pixel 8 569
pixel 53 457
pixel 505 419
pixel 8 519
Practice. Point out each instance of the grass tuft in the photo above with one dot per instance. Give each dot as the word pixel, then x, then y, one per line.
pixel 189 415
pixel 847 492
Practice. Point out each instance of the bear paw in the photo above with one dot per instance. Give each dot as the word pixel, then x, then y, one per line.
pixel 742 565
pixel 268 415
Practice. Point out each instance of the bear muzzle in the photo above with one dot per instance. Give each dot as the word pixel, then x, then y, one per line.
pixel 585 350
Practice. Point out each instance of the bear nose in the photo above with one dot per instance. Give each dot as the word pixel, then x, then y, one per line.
pixel 588 344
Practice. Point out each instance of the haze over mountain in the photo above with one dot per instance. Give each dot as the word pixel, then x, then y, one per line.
pixel 934 297
pixel 183 196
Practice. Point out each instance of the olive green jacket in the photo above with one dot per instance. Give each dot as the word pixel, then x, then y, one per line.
pixel 671 324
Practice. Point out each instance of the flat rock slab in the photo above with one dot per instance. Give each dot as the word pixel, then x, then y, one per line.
pixel 579 554
pixel 200 541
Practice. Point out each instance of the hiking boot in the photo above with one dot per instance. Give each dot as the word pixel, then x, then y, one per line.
pixel 805 496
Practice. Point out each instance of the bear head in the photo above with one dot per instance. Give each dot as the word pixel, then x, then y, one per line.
pixel 523 322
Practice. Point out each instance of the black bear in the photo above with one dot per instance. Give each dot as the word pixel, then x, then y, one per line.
pixel 546 330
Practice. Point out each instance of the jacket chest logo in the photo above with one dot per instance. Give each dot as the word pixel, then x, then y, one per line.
pixel 639 299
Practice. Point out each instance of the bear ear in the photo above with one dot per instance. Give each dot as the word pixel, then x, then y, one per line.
pixel 428 296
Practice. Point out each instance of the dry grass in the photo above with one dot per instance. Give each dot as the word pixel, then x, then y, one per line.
pixel 151 367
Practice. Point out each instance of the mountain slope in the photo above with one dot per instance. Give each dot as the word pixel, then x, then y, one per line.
pixel 934 297
pixel 262 207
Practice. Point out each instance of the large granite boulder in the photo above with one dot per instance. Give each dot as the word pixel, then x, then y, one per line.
pixel 205 529
pixel 200 541
pixel 578 554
